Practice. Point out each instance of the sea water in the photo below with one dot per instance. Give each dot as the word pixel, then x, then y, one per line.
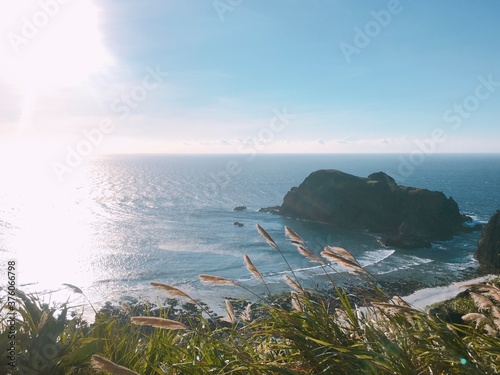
pixel 117 223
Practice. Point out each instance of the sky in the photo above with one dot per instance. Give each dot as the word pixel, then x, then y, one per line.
pixel 229 76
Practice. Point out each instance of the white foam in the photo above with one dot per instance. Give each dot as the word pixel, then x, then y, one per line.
pixel 373 257
pixel 475 220
pixel 406 262
pixel 193 247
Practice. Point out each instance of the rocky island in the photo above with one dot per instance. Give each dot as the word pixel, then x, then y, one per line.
pixel 406 217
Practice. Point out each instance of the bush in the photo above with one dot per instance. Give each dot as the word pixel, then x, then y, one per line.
pixel 48 341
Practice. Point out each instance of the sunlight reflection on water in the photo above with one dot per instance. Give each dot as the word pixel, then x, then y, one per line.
pixel 49 224
pixel 117 223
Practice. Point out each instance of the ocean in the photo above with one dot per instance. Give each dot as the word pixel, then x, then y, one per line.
pixel 116 223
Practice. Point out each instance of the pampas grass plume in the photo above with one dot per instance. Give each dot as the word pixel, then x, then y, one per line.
pixel 216 280
pixel 292 284
pixel 158 323
pixel 294 237
pixel 251 268
pixel 104 364
pixel 267 237
pixel 173 291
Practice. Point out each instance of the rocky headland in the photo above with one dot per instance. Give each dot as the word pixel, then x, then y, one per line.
pixel 406 217
pixel 488 247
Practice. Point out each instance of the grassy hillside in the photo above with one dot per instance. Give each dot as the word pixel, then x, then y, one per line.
pixel 305 332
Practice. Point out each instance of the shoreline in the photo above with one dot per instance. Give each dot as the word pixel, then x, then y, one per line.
pixel 423 298
pixel 419 299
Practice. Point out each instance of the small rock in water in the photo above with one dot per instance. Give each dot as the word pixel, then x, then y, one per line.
pixel 238 224
pixel 240 208
pixel 272 210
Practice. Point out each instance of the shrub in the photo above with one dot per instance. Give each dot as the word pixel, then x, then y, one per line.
pixel 48 341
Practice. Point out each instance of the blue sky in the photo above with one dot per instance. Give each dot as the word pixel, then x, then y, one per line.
pixel 276 75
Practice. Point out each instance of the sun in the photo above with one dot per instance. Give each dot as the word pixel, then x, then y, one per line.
pixel 51 45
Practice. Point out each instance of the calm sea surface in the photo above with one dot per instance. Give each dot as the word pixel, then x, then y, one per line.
pixel 116 223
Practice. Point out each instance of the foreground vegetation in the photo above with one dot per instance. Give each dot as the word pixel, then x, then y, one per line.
pixel 306 332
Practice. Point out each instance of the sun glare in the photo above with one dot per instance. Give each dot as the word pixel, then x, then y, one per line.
pixel 47 219
pixel 51 46
pixel 48 46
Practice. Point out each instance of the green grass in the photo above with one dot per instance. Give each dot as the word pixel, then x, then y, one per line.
pixel 48 340
pixel 306 332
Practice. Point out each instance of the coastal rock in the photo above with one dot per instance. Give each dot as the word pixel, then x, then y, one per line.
pixel 407 217
pixel 240 208
pixel 238 224
pixel 488 247
pixel 272 210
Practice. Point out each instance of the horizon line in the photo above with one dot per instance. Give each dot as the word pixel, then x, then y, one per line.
pixel 297 153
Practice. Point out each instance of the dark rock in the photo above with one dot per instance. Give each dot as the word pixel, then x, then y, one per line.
pixel 240 208
pixel 405 242
pixel 407 217
pixel 272 210
pixel 452 310
pixel 488 247
pixel 447 315
pixel 238 224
